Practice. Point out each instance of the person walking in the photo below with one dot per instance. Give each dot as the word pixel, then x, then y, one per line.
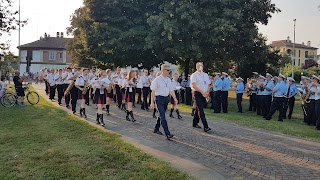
pixel 239 92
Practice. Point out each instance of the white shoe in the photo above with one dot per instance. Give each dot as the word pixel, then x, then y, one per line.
pixel 53 100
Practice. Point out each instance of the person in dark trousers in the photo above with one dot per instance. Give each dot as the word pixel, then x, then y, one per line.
pixel 267 86
pixel 226 85
pixel 188 92
pixel 239 92
pixel 74 90
pixel 259 98
pixel 200 85
pixel 252 88
pixel 68 74
pixel 52 83
pixel 279 96
pixel 313 98
pixel 290 97
pixel 183 89
pixel 161 89
pixel 217 87
pixel 17 80
pixel 151 78
pixel 59 83
pixel 211 91
pixel 145 81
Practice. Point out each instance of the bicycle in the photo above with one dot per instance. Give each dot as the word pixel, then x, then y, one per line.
pixel 10 99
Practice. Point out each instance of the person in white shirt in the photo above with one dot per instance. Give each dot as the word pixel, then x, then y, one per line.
pixel 145 81
pixel 52 84
pixel 174 104
pixel 200 85
pixel 117 90
pixel 139 88
pixel 122 90
pixel 128 84
pixel 108 81
pixel 3 86
pixel 93 75
pixel 151 78
pixel 81 83
pixel 59 84
pixel 162 88
pixel 99 89
pixel 66 83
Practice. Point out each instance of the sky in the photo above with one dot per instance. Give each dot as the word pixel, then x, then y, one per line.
pixel 54 16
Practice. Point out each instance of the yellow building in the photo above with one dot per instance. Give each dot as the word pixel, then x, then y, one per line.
pixel 304 53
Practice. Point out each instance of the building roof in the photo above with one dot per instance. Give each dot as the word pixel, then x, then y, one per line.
pixel 287 43
pixel 47 43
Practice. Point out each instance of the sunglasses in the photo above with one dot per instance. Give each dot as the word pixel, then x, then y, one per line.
pixel 167 70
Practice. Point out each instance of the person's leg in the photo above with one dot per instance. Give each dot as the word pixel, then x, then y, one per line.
pixel 160 101
pixel 274 106
pixel 200 102
pixel 60 93
pixel 291 106
pixel 281 105
pixel 254 104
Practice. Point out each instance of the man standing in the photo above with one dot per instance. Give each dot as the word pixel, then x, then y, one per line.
pixel 65 77
pixel 59 84
pixel 239 92
pixel 217 87
pixel 224 92
pixel 292 91
pixel 52 82
pixel 18 86
pixel 162 88
pixel 267 86
pixel 200 85
pixel 145 81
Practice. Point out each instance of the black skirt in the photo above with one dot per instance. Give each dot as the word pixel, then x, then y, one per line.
pixel 80 95
pixel 99 98
pixel 129 95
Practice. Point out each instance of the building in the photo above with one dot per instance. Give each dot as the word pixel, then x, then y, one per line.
pixel 49 52
pixel 304 53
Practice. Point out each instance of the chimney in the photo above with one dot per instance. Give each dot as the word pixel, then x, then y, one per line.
pixel 309 44
pixel 302 43
pixel 58 34
pixel 61 34
pixel 288 39
pixel 45 35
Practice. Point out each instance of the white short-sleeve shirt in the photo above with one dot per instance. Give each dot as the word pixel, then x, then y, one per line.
pixel 51 80
pixel 65 75
pixel 202 80
pixel 162 86
pixel 81 80
pixel 59 81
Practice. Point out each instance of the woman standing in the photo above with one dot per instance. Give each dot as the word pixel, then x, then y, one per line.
pixel 129 86
pixel 108 81
pixel 82 84
pixel 174 104
pixel 99 91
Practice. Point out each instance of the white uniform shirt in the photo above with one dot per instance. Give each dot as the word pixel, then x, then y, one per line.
pixel 59 81
pixel 139 85
pixel 3 87
pixel 65 75
pixel 51 79
pixel 144 81
pixel 201 79
pixel 162 86
pixel 120 81
pixel 116 78
pixel 175 84
pixel 81 80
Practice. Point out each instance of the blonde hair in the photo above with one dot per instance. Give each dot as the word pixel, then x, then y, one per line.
pixel 129 75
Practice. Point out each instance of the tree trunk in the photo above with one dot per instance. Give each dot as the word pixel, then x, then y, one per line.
pixel 187 67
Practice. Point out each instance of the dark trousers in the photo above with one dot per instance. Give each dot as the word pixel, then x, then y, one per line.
pixel 74 97
pixel 52 92
pixel 212 100
pixel 162 104
pixel 239 101
pixel 317 110
pixel 118 95
pixel 217 102
pixel 188 96
pixel 199 113
pixel 87 97
pixel 145 93
pixel 277 104
pixel 182 92
pixel 91 95
pixel 224 101
pixel 259 99
pixel 266 103
pixel 289 104
pixel 60 92
pixel 311 112
pixel 67 97
pixel 252 101
pixel 139 92
pixel 305 112
pixel 46 86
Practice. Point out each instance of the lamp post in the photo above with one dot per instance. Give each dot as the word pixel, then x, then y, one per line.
pixel 19 62
pixel 294 41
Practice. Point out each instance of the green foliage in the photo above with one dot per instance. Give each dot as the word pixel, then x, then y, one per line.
pixel 298 72
pixel 8 59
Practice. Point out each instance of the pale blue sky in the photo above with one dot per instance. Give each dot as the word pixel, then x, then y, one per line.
pixel 52 16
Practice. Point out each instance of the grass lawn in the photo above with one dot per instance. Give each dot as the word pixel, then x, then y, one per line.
pixel 293 127
pixel 44 142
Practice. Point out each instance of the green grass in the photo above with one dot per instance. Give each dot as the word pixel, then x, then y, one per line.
pixel 44 142
pixel 294 127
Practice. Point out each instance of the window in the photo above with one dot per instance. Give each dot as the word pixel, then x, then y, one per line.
pixel 307 54
pixel 299 62
pixel 52 55
pixel 299 54
pixel 60 55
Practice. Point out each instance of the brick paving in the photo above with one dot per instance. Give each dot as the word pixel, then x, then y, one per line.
pixel 230 151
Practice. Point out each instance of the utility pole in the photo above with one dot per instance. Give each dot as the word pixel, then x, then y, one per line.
pixel 294 42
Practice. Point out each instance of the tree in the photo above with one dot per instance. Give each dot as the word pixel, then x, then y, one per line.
pixel 7 61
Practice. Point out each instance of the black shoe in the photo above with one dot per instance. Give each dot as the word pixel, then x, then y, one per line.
pixel 98 117
pixel 207 129
pixel 74 112
pixel 147 110
pixel 101 119
pixel 84 113
pixel 268 118
pixel 289 117
pixel 178 113
pixel 81 112
pixel 281 120
pixel 131 114
pixel 197 126
pixel 169 136
pixel 157 132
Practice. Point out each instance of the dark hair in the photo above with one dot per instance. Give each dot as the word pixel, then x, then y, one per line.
pixel 3 78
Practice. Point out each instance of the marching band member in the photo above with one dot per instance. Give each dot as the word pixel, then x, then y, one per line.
pixel 305 86
pixel 317 103
pixel 252 87
pixel 152 95
pixel 259 99
pixel 183 89
pixel 99 89
pixel 239 91
pixel 52 83
pixel 188 91
pixel 123 90
pixel 174 104
pixel 66 83
pixel 162 88
pixel 82 83
pixel 200 85
pixel 129 84
pixel 92 75
pixel 108 81
pixel 266 93
pixel 280 91
pixel 151 78
pixel 139 88
pixel 59 82
pixel 217 87
pixel 47 86
pixel 292 91
pixel 224 92
pixel 135 80
pixel 211 91
pixel 312 114
pixel 145 80
pixel 117 90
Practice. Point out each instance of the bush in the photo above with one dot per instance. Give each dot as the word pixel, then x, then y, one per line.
pixel 298 72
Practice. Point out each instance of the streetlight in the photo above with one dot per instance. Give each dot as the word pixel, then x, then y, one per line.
pixel 294 41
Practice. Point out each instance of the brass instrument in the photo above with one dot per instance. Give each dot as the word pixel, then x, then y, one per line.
pixel 71 85
pixel 85 88
pixel 110 86
pixel 306 97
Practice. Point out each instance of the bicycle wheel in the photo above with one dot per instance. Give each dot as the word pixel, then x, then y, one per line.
pixel 8 100
pixel 33 98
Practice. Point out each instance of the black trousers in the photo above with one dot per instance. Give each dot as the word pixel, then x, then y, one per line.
pixel 266 103
pixel 118 95
pixel 277 104
pixel 52 92
pixel 91 95
pixel 87 97
pixel 217 102
pixel 199 113
pixel 317 110
pixel 183 92
pixel 60 92
pixel 139 92
pixel 289 104
pixel 212 99
pixel 145 93
pixel 259 99
pixel 311 112
pixel 74 97
pixel 46 86
pixel 188 96
pixel 67 97
pixel 224 101
pixel 239 101
pixel 252 101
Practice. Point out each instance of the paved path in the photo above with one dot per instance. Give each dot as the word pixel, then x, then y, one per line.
pixel 228 152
